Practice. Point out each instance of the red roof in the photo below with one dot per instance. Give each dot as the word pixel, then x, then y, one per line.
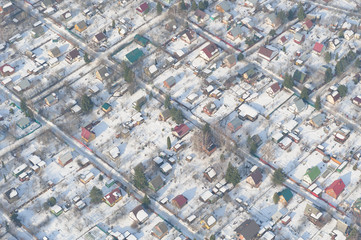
pixel 265 52
pixel 210 50
pixel 85 133
pixel 275 87
pixel 113 196
pixel 181 200
pixel 6 70
pixel 357 99
pixel 143 7
pixel 283 39
pixel 337 186
pixel 181 130
pixel 308 24
pixel 318 47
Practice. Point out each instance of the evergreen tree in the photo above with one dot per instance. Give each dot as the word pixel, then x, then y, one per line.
pixel 86 103
pixel 14 217
pixel 194 5
pixel 176 115
pixel 240 57
pixel 301 12
pixel 96 195
pixel 51 201
pixel 146 201
pixel 327 57
pixel 113 24
pixel 182 5
pixel 318 103
pixel 288 81
pixel 304 94
pixel 23 105
pixel 278 177
pixel 202 5
pixel 328 75
pixel 86 58
pixel 213 237
pixel 139 179
pixel 11 111
pixel 232 175
pixel 276 198
pixel 342 89
pixel 159 8
pixel 167 103
pixel 272 32
pixel 169 144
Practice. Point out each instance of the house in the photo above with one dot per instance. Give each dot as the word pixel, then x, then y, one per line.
pixel 81 26
pixel 247 112
pixel 164 115
pixel 311 175
pixel 299 38
pixel 285 143
pixel 307 25
pixel 23 85
pixel 140 40
pixel 283 40
pixel 248 230
pixel 72 56
pixel 335 189
pixel 189 36
pixel 299 76
pixel 318 120
pixel 103 74
pixel 56 210
pixel 156 183
pixel 160 230
pixel 318 48
pixel 11 195
pixel 342 135
pixel 138 214
pixel 230 61
pixel 209 147
pixel 54 52
pixel 169 82
pixel 227 18
pixel 6 70
pixel 113 197
pixel 106 107
pixel 209 52
pixel 357 100
pixel 201 16
pixel 99 38
pixel 234 124
pixel 142 9
pixel 356 207
pixel 23 122
pixel 37 32
pixel 66 15
pixel 313 214
pixel 134 55
pixel 285 196
pixel 208 221
pixel 151 71
pixel 114 152
pixel 255 178
pixel 223 6
pixel 273 89
pixel 86 177
pixel 181 130
pixel 209 108
pixel 179 201
pixel 234 33
pixel 267 53
pixel 334 43
pixel 210 174
pixel 51 99
pixel 348 34
pixel 87 135
pixel 47 3
pixel 333 97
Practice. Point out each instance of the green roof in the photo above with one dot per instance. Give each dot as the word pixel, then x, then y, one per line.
pixel 299 76
pixel 142 41
pixel 313 173
pixel 106 106
pixel 134 55
pixel 286 193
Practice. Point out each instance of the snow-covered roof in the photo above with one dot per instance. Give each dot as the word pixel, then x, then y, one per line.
pixel 114 152
pixel 166 167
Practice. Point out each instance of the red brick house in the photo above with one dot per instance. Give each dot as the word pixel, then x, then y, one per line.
pixel 179 201
pixel 181 130
pixel 336 188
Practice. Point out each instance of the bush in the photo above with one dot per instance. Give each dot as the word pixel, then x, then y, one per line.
pixel 146 201
pixel 318 103
pixel 101 177
pixel 342 89
pixel 240 57
pixel 11 111
pixel 51 201
pixel 177 115
pixel 232 175
pixel 304 94
pixel 278 177
pixel 96 195
pixel 159 8
pixel 288 81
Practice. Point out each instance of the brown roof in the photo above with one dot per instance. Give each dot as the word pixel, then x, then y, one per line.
pixel 275 87
pixel 210 50
pixel 265 52
pixel 180 200
pixel 73 53
pixel 256 175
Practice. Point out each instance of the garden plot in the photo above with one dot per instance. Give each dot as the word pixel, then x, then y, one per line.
pixel 342 151
pixel 179 45
pixel 121 55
